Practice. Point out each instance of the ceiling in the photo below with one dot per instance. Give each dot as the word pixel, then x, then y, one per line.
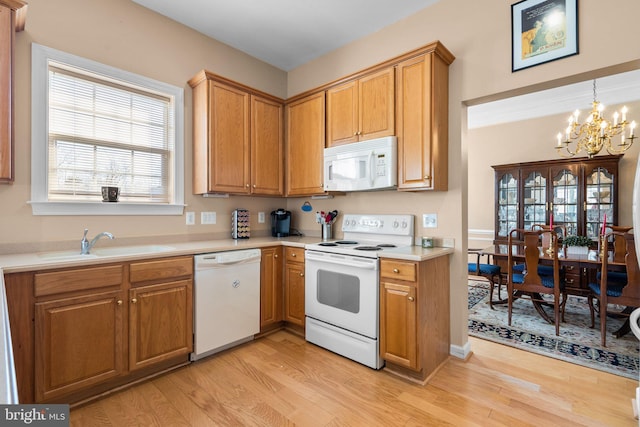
pixel 286 33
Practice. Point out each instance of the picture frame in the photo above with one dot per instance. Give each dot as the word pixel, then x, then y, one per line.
pixel 543 31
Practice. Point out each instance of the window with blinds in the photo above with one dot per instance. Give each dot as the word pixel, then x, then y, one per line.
pixel 104 132
pixel 94 125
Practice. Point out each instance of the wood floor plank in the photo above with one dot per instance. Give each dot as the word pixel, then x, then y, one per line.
pixel 281 380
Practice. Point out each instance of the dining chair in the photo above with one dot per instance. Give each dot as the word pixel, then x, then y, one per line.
pixel 545 239
pixel 530 282
pixel 620 289
pixel 491 272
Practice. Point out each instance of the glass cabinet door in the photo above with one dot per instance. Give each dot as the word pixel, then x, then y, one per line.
pixel 535 199
pixel 507 204
pixel 598 200
pixel 564 193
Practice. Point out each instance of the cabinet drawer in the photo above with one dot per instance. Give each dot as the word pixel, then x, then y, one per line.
pixel 77 280
pixel 160 269
pixel 294 254
pixel 400 270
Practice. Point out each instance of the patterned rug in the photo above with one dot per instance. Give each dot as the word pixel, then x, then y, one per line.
pixel 577 343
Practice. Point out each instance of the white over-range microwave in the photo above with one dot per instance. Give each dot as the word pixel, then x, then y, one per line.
pixel 361 166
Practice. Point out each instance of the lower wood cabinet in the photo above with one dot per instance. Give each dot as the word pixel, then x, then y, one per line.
pixel 294 286
pixel 78 343
pixel 414 316
pixel 271 288
pixel 99 327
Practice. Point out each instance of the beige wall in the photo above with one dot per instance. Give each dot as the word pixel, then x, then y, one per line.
pixel 478 34
pixel 123 34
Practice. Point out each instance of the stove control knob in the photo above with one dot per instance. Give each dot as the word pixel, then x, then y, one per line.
pixel 395 224
pixel 404 224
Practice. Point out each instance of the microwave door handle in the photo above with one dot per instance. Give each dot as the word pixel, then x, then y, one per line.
pixel 372 167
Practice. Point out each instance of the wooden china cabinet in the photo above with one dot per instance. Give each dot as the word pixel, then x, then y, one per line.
pixel 578 192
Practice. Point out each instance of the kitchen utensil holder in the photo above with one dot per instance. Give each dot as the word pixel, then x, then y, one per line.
pixel 326 232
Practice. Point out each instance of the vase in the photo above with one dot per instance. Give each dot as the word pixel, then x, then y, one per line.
pixel 577 250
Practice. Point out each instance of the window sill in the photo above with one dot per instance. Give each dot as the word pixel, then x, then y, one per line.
pixel 100 208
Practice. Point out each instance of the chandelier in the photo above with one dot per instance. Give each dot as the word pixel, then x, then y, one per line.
pixel 596 133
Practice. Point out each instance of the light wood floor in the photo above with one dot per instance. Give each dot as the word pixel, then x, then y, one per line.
pixel 281 380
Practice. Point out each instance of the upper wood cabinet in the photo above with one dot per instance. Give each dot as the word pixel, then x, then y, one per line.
pixel 361 109
pixel 12 19
pixel 579 192
pixel 237 138
pixel 422 96
pixel 305 145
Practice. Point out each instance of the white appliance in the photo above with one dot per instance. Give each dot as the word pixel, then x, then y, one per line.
pixel 342 296
pixel 361 166
pixel 226 300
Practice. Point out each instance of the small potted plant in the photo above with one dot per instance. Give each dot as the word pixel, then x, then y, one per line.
pixel 577 245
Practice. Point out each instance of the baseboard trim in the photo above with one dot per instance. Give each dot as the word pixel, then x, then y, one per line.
pixel 461 352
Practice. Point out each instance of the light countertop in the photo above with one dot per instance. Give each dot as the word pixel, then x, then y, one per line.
pixel 108 252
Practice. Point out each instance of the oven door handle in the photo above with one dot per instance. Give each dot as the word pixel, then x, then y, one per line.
pixel 350 262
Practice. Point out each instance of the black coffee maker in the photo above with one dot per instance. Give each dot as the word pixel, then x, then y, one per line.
pixel 280 223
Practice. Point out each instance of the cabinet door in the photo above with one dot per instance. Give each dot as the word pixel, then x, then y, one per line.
pixel 78 343
pixel 160 323
pixel 229 139
pixel 398 317
pixel 376 105
pixel 566 197
pixel 305 145
pixel 422 121
pixel 342 114
pixel 294 293
pixel 600 198
pixel 534 195
pixel 271 289
pixel 6 98
pixel 267 148
pixel 507 212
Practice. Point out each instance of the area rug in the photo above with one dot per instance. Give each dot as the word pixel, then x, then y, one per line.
pixel 577 343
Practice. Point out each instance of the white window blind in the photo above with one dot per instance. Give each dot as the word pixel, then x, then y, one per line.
pixel 103 132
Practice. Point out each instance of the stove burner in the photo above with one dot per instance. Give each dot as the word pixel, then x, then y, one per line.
pixel 368 248
pixel 386 245
pixel 327 244
pixel 347 242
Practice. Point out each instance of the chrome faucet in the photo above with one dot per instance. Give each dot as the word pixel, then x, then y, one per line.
pixel 85 245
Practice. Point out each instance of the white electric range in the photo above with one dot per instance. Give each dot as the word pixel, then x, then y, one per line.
pixel 341 285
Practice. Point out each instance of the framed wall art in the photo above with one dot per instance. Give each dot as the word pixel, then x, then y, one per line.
pixel 543 31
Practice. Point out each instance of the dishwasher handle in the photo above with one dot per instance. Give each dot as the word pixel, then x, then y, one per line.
pixel 222 259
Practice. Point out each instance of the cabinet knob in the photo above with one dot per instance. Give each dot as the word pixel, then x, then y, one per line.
pixel 301 274
pixel 254 186
pixel 247 186
pixel 134 300
pixel 395 270
pixel 427 177
pixel 293 255
pixel 275 256
pixel 411 299
pixel 119 302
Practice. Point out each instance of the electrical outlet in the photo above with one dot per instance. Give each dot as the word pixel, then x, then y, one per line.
pixel 207 217
pixel 261 217
pixel 191 218
pixel 448 242
pixel 429 220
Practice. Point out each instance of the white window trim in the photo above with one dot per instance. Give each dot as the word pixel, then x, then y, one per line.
pixel 40 55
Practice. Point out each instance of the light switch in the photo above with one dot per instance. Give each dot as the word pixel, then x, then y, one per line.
pixel 191 218
pixel 207 218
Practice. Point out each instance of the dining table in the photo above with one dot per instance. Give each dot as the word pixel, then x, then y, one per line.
pixel 580 269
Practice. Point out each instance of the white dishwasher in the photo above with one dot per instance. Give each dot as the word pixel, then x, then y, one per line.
pixel 226 300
